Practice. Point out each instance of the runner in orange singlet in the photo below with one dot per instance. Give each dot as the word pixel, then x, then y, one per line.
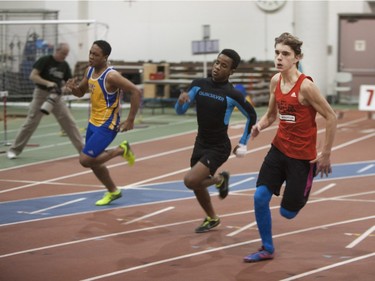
pixel 293 158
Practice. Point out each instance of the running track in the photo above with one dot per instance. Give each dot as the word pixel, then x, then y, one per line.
pixel 51 230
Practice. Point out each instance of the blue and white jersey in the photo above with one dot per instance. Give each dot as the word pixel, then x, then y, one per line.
pixel 215 103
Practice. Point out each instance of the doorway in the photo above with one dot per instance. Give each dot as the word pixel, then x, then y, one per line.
pixel 356 51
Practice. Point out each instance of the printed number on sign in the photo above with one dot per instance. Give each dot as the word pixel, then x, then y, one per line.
pixel 367 98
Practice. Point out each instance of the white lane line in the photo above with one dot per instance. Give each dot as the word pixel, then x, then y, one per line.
pixel 54 183
pixel 150 215
pixel 324 189
pixel 365 168
pixel 238 183
pixel 241 182
pixel 241 229
pixel 329 267
pixel 247 226
pixel 167 153
pixel 42 147
pixel 353 141
pixel 180 223
pixel 224 248
pixel 120 164
pixel 109 166
pixel 162 138
pixel 362 237
pixel 134 185
pixel 53 207
pixel 336 198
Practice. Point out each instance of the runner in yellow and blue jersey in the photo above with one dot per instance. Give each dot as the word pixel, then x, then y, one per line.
pixel 104 84
pixel 106 110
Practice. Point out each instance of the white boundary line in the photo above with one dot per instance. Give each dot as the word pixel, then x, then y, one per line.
pixel 329 267
pixel 54 207
pixel 251 241
pixel 166 137
pixel 365 168
pixel 325 188
pixel 221 248
pixel 353 141
pixel 190 221
pixel 250 225
pixel 180 199
pixel 167 153
pixel 150 215
pixel 362 237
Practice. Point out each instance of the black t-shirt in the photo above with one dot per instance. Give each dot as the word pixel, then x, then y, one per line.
pixel 214 104
pixel 52 70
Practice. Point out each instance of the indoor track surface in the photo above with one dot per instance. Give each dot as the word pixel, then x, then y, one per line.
pixel 50 228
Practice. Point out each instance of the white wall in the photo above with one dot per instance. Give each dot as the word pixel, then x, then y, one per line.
pixel 163 30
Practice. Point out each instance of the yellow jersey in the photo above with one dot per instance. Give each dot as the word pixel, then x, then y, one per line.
pixel 105 106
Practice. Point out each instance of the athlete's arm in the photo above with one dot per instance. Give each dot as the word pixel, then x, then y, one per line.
pixel 78 90
pixel 271 114
pixel 184 100
pixel 116 81
pixel 236 99
pixel 310 95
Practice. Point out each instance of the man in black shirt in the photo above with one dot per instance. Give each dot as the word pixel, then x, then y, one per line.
pixel 215 98
pixel 49 74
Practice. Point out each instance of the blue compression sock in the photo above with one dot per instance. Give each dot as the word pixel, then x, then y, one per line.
pixel 288 214
pixel 262 198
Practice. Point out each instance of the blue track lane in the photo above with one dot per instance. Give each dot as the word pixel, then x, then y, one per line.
pixel 63 205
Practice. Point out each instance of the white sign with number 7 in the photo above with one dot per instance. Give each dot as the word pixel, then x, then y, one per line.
pixel 367 98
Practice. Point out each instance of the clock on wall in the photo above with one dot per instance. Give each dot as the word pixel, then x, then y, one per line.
pixel 270 5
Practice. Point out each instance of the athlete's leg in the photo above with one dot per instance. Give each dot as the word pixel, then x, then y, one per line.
pixel 198 179
pixel 288 214
pixel 299 182
pixel 262 198
pixel 94 154
pixel 102 174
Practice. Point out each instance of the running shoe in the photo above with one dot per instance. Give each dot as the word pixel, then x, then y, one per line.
pixel 128 153
pixel 261 255
pixel 223 187
pixel 108 198
pixel 207 225
pixel 11 154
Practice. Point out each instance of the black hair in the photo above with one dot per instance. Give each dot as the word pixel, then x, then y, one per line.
pixel 233 55
pixel 104 46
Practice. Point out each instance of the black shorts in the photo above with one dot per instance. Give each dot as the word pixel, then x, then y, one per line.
pixel 298 175
pixel 210 155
